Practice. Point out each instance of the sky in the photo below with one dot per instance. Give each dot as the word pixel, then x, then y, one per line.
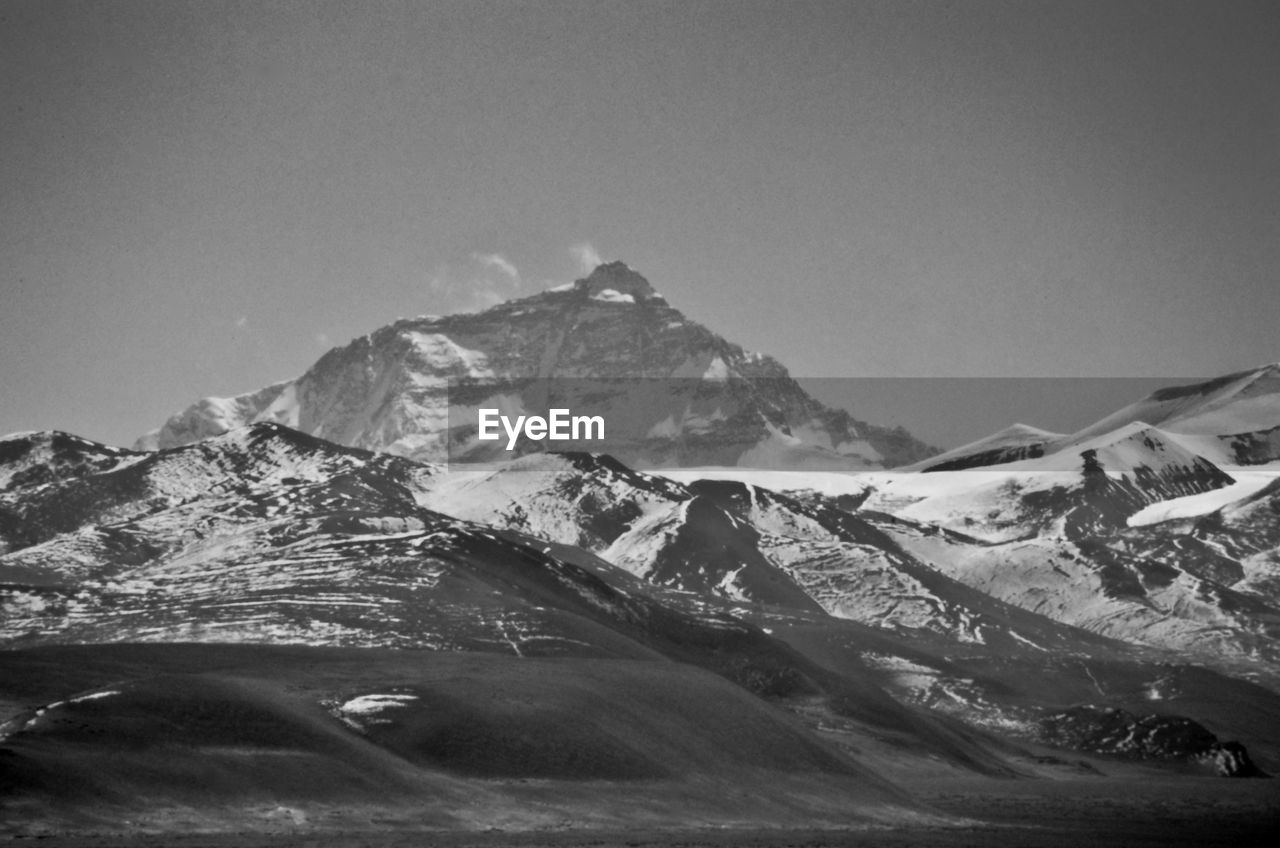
pixel 201 198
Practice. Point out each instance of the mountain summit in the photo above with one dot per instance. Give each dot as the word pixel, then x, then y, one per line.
pixel 617 277
pixel 673 392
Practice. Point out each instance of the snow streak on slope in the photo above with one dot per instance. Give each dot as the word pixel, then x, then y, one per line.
pixel 1248 482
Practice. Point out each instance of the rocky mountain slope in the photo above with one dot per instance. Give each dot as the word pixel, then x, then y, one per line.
pixel 1154 535
pixel 266 535
pixel 672 391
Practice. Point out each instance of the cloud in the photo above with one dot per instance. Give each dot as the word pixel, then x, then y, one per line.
pixel 482 281
pixel 586 256
pixel 497 260
pixel 247 345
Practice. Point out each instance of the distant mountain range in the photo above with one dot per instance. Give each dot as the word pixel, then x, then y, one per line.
pixel 287 592
pixel 1231 420
pixel 268 536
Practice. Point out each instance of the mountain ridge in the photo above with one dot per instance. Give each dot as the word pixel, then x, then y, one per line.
pixel 268 535
pixel 1229 420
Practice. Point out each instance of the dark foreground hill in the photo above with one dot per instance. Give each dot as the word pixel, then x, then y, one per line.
pixel 247 745
pixel 234 735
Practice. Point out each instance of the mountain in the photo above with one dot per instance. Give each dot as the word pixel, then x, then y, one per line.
pixel 672 391
pixel 267 536
pixel 1133 533
pixel 1243 402
pixel 1153 535
pixel 1016 442
pixel 270 536
pixel 218 617
pixel 743 543
pixel 265 629
pixel 1228 420
pixel 35 458
pixel 1079 490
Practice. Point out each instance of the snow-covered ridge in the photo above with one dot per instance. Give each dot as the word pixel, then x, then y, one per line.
pixel 1130 446
pixel 1247 482
pixel 213 416
pixel 1018 441
pixel 1234 403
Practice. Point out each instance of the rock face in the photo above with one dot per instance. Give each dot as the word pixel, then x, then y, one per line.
pixel 1121 733
pixel 673 392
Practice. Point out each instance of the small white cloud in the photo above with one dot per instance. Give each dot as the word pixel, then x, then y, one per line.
pixel 322 339
pixel 482 299
pixel 497 260
pixel 242 322
pixel 437 282
pixel 586 256
pixel 484 280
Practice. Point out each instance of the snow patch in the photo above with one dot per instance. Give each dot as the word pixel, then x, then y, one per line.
pixel 446 355
pixel 1194 506
pixel 612 296
pixel 368 706
pixel 830 483
pixel 717 370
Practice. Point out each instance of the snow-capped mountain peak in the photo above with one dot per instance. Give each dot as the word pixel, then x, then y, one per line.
pixel 677 393
pixel 615 281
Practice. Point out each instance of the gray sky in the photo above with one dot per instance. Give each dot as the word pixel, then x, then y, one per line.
pixel 200 198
